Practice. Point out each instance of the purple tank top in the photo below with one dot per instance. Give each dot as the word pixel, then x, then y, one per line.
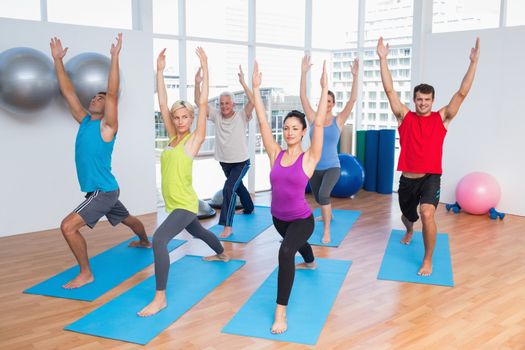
pixel 288 187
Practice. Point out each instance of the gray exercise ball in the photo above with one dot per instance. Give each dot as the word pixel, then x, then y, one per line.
pixel 216 201
pixel 27 80
pixel 205 210
pixel 89 74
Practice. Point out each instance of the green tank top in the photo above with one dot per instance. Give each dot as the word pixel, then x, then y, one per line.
pixel 176 171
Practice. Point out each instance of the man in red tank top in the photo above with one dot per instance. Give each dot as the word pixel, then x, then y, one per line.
pixel 421 136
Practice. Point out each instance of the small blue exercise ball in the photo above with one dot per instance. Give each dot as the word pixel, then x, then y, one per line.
pixel 27 80
pixel 351 179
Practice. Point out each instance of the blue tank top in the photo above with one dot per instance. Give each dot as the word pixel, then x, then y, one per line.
pixel 329 156
pixel 93 158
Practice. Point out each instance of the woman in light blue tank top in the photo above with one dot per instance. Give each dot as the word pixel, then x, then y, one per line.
pixel 328 169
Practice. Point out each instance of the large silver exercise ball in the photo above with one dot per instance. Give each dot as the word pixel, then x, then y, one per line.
pixel 27 80
pixel 89 74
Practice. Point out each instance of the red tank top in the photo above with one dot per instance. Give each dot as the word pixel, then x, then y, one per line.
pixel 421 139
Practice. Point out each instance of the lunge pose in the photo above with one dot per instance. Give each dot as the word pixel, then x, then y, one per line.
pixel 328 169
pixel 231 150
pixel 176 164
pixel 421 136
pixel 290 170
pixel 93 149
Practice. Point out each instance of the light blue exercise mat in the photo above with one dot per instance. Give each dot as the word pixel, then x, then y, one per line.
pixel 339 226
pixel 402 262
pixel 110 268
pixel 313 295
pixel 247 226
pixel 190 280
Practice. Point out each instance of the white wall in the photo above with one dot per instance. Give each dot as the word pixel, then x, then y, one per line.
pixel 488 133
pixel 38 176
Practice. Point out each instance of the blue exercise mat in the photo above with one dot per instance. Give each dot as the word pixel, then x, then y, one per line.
pixel 110 268
pixel 339 226
pixel 247 226
pixel 313 295
pixel 190 280
pixel 402 262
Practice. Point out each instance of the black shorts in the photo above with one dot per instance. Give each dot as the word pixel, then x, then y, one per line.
pixel 412 192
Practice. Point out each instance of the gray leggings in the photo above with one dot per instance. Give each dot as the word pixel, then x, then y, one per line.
pixel 323 182
pixel 178 220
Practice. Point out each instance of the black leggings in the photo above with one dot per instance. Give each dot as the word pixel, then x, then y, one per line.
pixel 178 220
pixel 295 236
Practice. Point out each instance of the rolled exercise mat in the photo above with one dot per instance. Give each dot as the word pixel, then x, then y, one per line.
pixel 371 150
pixel 385 161
pixel 345 142
pixel 360 141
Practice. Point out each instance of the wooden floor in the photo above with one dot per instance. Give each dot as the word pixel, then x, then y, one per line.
pixel 485 309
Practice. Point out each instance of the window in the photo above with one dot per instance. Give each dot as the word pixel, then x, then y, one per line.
pixel 383 117
pixel 371 117
pixel 280 92
pixel 457 15
pixel 390 19
pixel 280 22
pixel 100 13
pixel 225 19
pixel 515 13
pixel 372 95
pixel 165 16
pixel 371 105
pixel 20 9
pixel 334 23
pixel 383 105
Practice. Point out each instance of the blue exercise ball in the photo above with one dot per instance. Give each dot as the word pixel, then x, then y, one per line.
pixel 27 80
pixel 89 74
pixel 351 179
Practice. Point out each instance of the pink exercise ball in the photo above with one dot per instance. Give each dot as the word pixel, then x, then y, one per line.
pixel 477 192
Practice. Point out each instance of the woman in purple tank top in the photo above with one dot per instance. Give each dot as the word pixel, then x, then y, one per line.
pixel 290 170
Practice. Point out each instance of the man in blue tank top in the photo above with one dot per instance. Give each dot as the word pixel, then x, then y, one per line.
pixel 93 149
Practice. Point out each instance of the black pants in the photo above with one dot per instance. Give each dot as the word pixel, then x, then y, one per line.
pixel 295 236
pixel 233 186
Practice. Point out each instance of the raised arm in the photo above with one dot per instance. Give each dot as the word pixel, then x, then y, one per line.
pixel 342 117
pixel 308 110
pixel 248 108
pixel 449 111
pixel 163 95
pixel 66 87
pixel 111 107
pixel 199 134
pixel 272 147
pixel 398 108
pixel 316 146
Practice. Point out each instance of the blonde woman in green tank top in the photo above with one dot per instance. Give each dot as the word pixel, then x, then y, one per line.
pixel 177 189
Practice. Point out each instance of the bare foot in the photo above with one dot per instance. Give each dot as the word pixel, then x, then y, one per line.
pixel 226 232
pixel 306 266
pixel 426 268
pixel 218 257
pixel 139 244
pixel 407 238
pixel 279 324
pixel 319 218
pixel 158 303
pixel 81 280
pixel 326 237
